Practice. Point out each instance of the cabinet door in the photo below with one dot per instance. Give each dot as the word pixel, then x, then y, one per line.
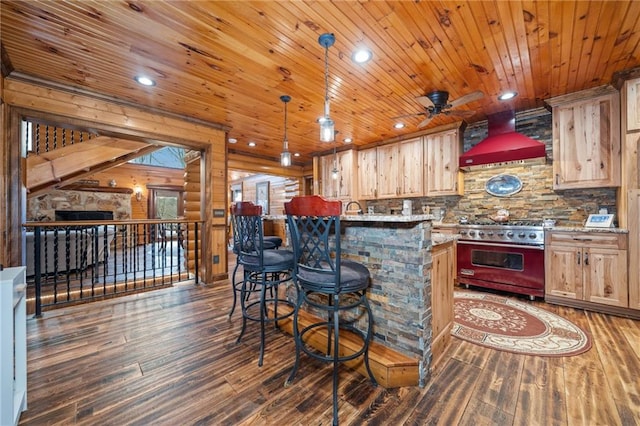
pixel 634 248
pixel 346 168
pixel 586 143
pixel 367 173
pixel 328 185
pixel 442 278
pixel 411 170
pixel 387 171
pixel 605 276
pixel 441 159
pixel 633 104
pixel 563 272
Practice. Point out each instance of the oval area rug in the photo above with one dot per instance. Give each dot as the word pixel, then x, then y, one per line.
pixel 506 324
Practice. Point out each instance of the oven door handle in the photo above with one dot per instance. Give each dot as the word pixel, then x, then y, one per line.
pixel 516 246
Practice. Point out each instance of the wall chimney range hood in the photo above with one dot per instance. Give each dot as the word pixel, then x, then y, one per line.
pixel 503 145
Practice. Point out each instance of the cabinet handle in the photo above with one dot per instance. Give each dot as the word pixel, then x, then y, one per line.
pixel 586 258
pixel 578 257
pixel 557 178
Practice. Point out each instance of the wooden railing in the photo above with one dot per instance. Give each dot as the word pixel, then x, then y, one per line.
pixel 74 262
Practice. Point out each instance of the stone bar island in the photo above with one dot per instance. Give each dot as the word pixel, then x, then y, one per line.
pixel 397 250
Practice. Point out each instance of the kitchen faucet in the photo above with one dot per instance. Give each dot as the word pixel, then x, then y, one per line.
pixel 356 203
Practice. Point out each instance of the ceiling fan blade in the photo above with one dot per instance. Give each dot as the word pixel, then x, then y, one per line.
pixel 469 97
pixel 425 122
pixel 408 115
pixel 425 102
pixel 460 112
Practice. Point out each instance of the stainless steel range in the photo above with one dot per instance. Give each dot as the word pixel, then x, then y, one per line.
pixel 507 257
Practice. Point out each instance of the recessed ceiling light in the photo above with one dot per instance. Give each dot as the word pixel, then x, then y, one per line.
pixel 399 125
pixel 144 80
pixel 297 154
pixel 233 140
pixel 252 144
pixel 348 140
pixel 361 56
pixel 507 95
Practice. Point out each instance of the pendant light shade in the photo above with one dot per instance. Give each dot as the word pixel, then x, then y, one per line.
pixel 285 156
pixel 326 123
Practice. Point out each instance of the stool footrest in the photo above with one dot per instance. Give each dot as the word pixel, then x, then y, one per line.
pixel 390 368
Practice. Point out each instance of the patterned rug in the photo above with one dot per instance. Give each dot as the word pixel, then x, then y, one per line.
pixel 506 324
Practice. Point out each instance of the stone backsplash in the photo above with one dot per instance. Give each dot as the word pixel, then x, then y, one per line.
pixel 537 199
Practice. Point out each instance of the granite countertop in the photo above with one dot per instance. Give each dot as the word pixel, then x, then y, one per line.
pixel 437 238
pixel 380 217
pixel 583 229
pixel 376 217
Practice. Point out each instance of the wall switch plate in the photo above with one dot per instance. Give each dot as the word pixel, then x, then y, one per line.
pixel 216 259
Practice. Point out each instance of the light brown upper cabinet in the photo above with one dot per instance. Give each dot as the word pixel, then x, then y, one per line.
pixel 442 151
pixel 633 104
pixel 586 139
pixel 338 175
pixel 368 174
pixel 400 169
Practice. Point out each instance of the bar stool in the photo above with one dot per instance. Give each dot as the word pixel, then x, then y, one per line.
pixel 328 284
pixel 269 242
pixel 263 270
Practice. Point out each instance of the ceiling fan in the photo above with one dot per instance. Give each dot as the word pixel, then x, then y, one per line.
pixel 437 102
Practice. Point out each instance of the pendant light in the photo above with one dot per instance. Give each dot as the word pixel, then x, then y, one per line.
pixel 326 123
pixel 334 172
pixel 285 156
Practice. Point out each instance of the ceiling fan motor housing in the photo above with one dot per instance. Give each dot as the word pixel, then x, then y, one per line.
pixel 439 99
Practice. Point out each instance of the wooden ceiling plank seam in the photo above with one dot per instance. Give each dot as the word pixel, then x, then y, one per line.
pixel 496 43
pixel 585 31
pixel 443 54
pixel 484 31
pixel 555 30
pixel 568 52
pixel 534 47
pixel 464 27
pixel 525 63
pixel 627 41
pixel 506 20
pixel 606 40
pixel 473 25
pixel 542 58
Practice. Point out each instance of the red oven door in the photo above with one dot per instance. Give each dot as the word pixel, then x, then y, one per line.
pixel 508 267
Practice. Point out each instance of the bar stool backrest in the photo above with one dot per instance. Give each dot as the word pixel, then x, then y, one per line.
pixel 314 225
pixel 246 219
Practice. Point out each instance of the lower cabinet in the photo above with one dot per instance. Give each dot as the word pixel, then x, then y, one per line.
pixel 586 267
pixel 442 276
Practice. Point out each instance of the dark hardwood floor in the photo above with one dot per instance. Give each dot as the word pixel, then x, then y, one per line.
pixel 170 357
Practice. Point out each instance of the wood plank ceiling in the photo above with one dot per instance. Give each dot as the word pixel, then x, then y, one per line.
pixel 229 62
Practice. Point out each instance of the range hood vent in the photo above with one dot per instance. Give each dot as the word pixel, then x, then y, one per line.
pixel 503 145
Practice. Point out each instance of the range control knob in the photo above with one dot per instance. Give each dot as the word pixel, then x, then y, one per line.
pixel 533 235
pixel 522 235
pixel 480 233
pixel 490 233
pixel 510 234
